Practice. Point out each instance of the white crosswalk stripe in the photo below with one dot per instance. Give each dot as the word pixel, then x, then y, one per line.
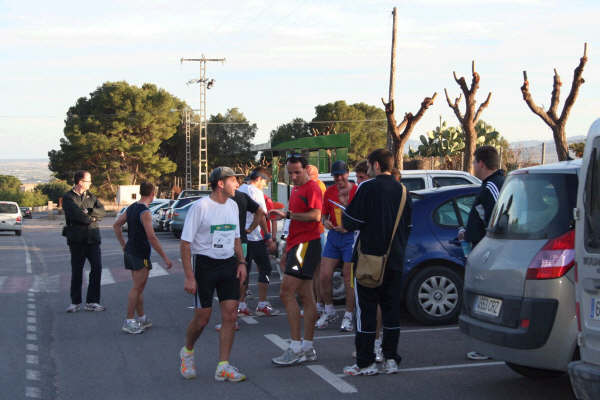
pixel 157 270
pixel 107 277
pixel 2 280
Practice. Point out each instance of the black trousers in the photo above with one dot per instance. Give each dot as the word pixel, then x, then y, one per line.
pixel 388 296
pixel 79 253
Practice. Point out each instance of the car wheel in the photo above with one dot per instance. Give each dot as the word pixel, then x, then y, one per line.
pixel 18 233
pixel 338 288
pixel 534 373
pixel 434 295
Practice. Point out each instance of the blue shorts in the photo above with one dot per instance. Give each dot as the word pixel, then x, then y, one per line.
pixel 339 246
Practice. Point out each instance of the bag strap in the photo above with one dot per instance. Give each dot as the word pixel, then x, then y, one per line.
pixel 400 211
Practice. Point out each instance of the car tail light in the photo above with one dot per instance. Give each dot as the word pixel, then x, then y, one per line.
pixel 175 214
pixel 525 323
pixel 578 315
pixel 18 218
pixel 555 259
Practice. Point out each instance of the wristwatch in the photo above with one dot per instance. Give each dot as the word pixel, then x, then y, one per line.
pixel 288 215
pixel 268 236
pixel 242 262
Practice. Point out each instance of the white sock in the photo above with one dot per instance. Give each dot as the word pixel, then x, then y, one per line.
pixel 130 320
pixel 307 344
pixel 142 318
pixel 329 309
pixel 243 306
pixel 319 307
pixel 296 346
pixel 348 314
pixel 262 304
pixel 378 342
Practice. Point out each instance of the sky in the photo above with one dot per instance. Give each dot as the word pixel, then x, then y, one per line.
pixel 285 57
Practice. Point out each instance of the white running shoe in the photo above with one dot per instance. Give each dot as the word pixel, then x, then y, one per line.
pixel 390 366
pixel 93 307
pixel 325 319
pixel 473 355
pixel 266 311
pixel 144 323
pixel 187 367
pixel 354 370
pixel 73 308
pixel 347 324
pixel 228 372
pixel 132 326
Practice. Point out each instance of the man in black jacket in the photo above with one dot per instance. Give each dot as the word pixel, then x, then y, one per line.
pixel 82 213
pixel 373 212
pixel 486 166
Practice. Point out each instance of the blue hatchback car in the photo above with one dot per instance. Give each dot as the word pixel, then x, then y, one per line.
pixel 434 264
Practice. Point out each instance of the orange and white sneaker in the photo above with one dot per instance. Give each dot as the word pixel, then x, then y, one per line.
pixel 187 367
pixel 227 372
pixel 267 310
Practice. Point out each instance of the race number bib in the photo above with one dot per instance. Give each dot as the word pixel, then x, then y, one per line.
pixel 223 236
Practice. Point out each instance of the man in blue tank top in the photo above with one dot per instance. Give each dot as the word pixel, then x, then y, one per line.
pixel 137 255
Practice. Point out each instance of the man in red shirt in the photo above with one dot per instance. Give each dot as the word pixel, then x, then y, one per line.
pixel 303 255
pixel 338 247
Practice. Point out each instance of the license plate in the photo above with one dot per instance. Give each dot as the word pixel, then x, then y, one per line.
pixel 595 312
pixel 488 306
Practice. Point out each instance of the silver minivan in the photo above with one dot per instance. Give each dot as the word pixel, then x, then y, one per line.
pixel 585 374
pixel 10 217
pixel 519 292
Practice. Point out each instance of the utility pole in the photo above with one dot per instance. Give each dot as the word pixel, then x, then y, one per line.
pixel 188 148
pixel 392 72
pixel 205 84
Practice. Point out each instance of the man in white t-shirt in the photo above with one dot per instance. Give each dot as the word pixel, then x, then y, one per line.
pixel 257 245
pixel 211 236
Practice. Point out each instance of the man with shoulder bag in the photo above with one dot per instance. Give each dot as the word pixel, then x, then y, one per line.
pixel 381 212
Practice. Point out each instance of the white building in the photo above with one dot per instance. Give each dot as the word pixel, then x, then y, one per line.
pixel 127 194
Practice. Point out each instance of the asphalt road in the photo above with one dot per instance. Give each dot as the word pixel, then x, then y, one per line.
pixel 46 353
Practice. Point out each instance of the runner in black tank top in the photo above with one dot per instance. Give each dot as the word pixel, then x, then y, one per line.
pixel 137 255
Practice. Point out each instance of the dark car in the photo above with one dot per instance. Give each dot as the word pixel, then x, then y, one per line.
pixel 26 212
pixel 165 221
pixel 434 266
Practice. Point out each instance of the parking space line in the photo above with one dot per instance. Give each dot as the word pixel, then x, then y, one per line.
pixel 249 320
pixel 333 379
pixel 443 367
pixel 451 328
pixel 277 341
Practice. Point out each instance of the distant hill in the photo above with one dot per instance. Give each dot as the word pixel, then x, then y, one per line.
pixel 27 170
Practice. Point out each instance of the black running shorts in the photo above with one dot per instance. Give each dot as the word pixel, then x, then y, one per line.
pixel 257 252
pixel 136 263
pixel 302 260
pixel 216 274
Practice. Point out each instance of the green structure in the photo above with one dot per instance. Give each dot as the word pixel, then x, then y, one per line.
pixel 321 151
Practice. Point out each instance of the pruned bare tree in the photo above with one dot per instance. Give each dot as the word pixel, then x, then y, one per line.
pixel 400 133
pixel 550 117
pixel 470 117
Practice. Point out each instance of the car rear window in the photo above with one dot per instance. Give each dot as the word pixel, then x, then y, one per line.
pixel 413 183
pixel 534 206
pixel 8 208
pixel 182 202
pixel 441 181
